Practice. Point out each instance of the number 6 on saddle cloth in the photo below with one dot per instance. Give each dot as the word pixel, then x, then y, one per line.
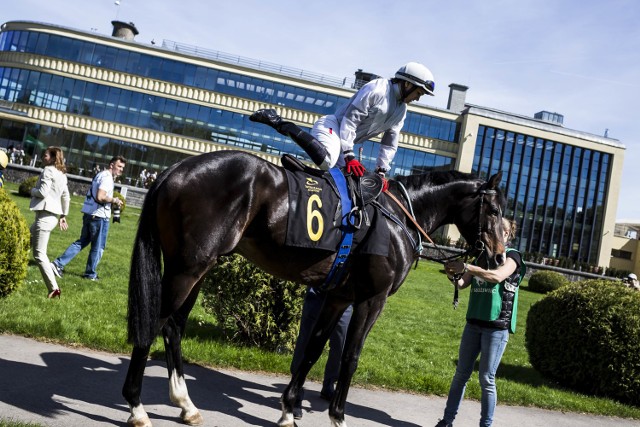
pixel 323 216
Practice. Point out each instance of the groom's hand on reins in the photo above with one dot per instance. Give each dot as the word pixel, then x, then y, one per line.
pixel 455 268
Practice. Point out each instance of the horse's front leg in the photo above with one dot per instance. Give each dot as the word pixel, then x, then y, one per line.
pixel 133 387
pixel 289 397
pixel 364 316
pixel 326 320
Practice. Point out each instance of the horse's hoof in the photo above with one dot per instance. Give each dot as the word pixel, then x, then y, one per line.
pixel 286 420
pixel 140 422
pixel 192 420
pixel 338 423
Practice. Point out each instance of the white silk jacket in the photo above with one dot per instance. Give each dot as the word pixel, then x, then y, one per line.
pixel 374 109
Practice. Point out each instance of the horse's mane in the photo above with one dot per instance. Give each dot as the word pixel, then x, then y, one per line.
pixel 435 178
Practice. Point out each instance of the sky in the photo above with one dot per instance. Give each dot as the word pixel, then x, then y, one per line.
pixel 578 58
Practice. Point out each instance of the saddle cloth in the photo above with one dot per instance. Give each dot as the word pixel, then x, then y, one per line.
pixel 315 217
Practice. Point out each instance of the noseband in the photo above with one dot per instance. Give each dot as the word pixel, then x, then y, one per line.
pixel 479 244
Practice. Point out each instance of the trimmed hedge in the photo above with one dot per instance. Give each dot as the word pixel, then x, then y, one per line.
pixel 546 281
pixel 25 186
pixel 586 336
pixel 14 245
pixel 251 306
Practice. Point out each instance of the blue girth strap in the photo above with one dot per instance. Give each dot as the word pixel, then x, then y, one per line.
pixel 339 263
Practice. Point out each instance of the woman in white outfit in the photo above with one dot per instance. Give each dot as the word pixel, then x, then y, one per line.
pixel 49 199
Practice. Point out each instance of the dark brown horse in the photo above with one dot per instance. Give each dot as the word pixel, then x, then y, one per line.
pixel 220 203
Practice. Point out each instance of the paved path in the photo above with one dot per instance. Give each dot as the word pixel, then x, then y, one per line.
pixel 53 385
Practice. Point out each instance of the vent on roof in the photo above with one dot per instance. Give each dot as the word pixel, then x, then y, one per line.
pixel 546 116
pixel 124 30
pixel 362 78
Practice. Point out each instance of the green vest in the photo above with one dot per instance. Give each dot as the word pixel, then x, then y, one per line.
pixel 487 300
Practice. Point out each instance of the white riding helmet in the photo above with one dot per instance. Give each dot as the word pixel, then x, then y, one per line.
pixel 417 74
pixel 3 159
pixel 632 276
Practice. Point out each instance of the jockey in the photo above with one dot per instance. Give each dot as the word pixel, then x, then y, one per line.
pixel 380 106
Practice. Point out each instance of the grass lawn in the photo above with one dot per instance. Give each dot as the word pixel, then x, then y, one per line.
pixel 413 346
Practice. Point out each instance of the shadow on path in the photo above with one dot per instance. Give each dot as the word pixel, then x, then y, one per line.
pixel 51 390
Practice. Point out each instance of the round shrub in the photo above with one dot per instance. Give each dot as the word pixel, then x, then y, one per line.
pixel 586 336
pixel 251 306
pixel 27 185
pixel 546 281
pixel 14 245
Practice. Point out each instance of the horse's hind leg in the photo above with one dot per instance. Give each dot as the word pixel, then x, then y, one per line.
pixel 172 333
pixel 133 387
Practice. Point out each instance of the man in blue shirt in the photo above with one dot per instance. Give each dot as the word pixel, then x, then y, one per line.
pixel 95 221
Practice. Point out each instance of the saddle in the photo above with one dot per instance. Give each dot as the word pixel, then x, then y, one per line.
pixel 363 191
pixel 338 222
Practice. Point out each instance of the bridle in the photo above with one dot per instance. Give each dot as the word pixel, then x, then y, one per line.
pixel 479 244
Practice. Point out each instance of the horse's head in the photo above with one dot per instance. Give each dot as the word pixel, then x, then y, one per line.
pixel 480 221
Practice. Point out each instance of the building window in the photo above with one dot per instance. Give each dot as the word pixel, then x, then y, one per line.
pixel 617 253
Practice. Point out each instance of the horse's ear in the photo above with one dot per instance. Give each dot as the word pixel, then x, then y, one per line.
pixel 494 181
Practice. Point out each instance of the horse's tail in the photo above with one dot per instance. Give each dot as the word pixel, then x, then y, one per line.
pixel 146 273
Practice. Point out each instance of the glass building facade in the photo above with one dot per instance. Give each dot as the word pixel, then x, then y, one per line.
pixel 556 192
pixel 558 187
pixel 157 112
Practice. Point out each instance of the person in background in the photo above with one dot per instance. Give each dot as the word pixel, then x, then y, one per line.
pixel 379 107
pixel 4 161
pixel 313 301
pixel 491 317
pixel 95 221
pixel 631 281
pixel 49 199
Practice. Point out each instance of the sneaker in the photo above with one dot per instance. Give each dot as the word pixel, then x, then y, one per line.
pixel 297 410
pixel 56 270
pixel 443 423
pixel 297 406
pixel 93 279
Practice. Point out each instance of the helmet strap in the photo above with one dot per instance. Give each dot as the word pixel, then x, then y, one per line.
pixel 404 91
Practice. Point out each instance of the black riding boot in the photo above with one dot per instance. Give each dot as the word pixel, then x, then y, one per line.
pixel 306 141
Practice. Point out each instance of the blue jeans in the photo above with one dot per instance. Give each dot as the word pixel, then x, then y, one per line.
pixel 313 302
pixel 94 232
pixel 490 343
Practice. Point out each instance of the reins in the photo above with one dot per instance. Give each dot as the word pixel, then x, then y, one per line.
pixel 411 217
pixel 479 244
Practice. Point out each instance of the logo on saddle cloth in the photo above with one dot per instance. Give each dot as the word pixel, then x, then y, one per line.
pixel 314 219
